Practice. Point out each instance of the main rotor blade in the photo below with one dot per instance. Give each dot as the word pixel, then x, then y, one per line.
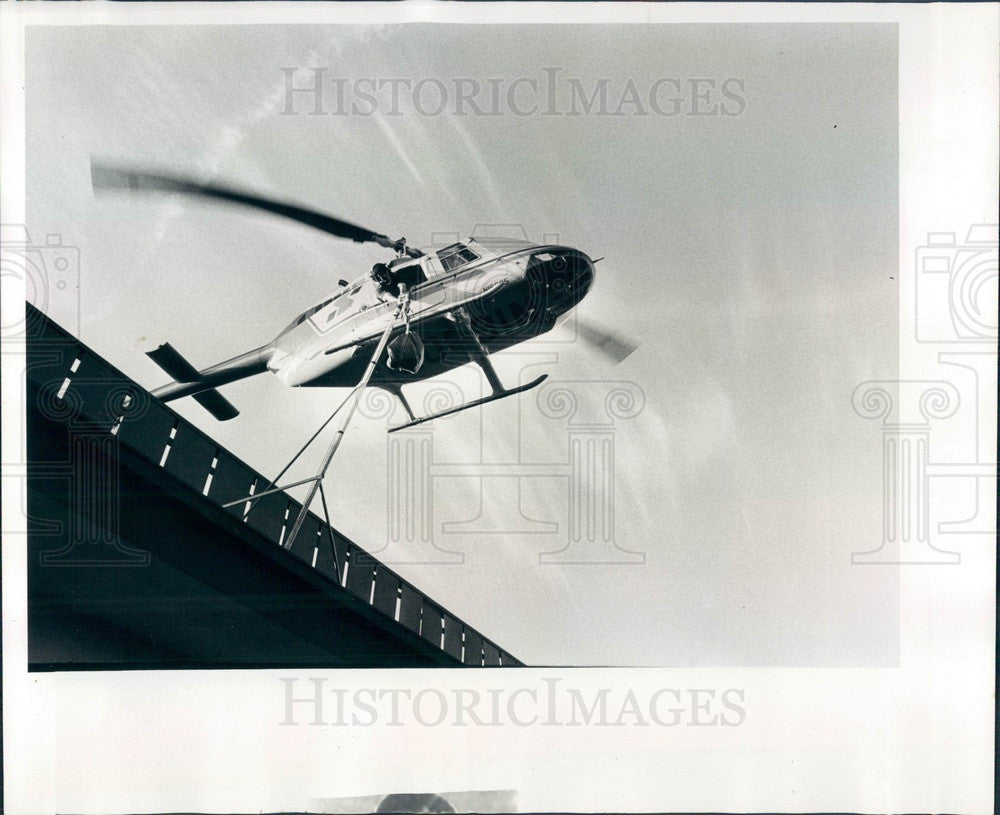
pixel 611 345
pixel 104 177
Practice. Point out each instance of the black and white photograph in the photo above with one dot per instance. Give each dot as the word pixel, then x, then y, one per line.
pixel 456 408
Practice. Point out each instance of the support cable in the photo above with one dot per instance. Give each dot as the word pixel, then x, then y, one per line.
pixel 404 301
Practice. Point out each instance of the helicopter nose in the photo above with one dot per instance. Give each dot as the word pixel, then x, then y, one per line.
pixel 556 279
pixel 561 275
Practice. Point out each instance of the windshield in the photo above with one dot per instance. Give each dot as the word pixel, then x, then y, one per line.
pixel 456 255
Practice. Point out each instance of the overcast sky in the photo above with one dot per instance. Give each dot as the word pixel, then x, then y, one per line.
pixel 750 256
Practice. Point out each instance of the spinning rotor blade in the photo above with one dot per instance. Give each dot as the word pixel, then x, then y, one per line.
pixel 104 177
pixel 613 346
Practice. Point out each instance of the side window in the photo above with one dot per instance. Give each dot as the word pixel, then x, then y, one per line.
pixel 344 299
pixel 307 314
pixel 455 256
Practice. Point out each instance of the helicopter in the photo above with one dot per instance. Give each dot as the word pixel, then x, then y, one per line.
pixel 431 310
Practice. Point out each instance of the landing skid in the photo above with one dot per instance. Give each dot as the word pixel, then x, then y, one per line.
pixel 480 355
pixel 474 403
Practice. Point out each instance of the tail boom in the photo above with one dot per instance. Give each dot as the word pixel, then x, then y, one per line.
pixel 189 381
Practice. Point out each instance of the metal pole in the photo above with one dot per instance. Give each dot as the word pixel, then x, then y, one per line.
pixel 333 536
pixel 288 466
pixel 250 499
pixel 345 421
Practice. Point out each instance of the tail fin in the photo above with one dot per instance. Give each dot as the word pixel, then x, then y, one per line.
pixel 179 369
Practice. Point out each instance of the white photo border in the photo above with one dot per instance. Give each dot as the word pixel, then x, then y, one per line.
pixel 916 738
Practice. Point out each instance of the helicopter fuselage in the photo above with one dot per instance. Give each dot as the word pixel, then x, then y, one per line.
pixel 510 293
pixel 465 301
pixel 456 305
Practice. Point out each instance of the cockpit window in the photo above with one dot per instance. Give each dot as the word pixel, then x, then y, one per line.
pixel 307 314
pixel 320 306
pixel 458 254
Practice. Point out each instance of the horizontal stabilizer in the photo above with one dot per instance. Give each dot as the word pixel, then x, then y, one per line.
pixel 217 404
pixel 179 369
